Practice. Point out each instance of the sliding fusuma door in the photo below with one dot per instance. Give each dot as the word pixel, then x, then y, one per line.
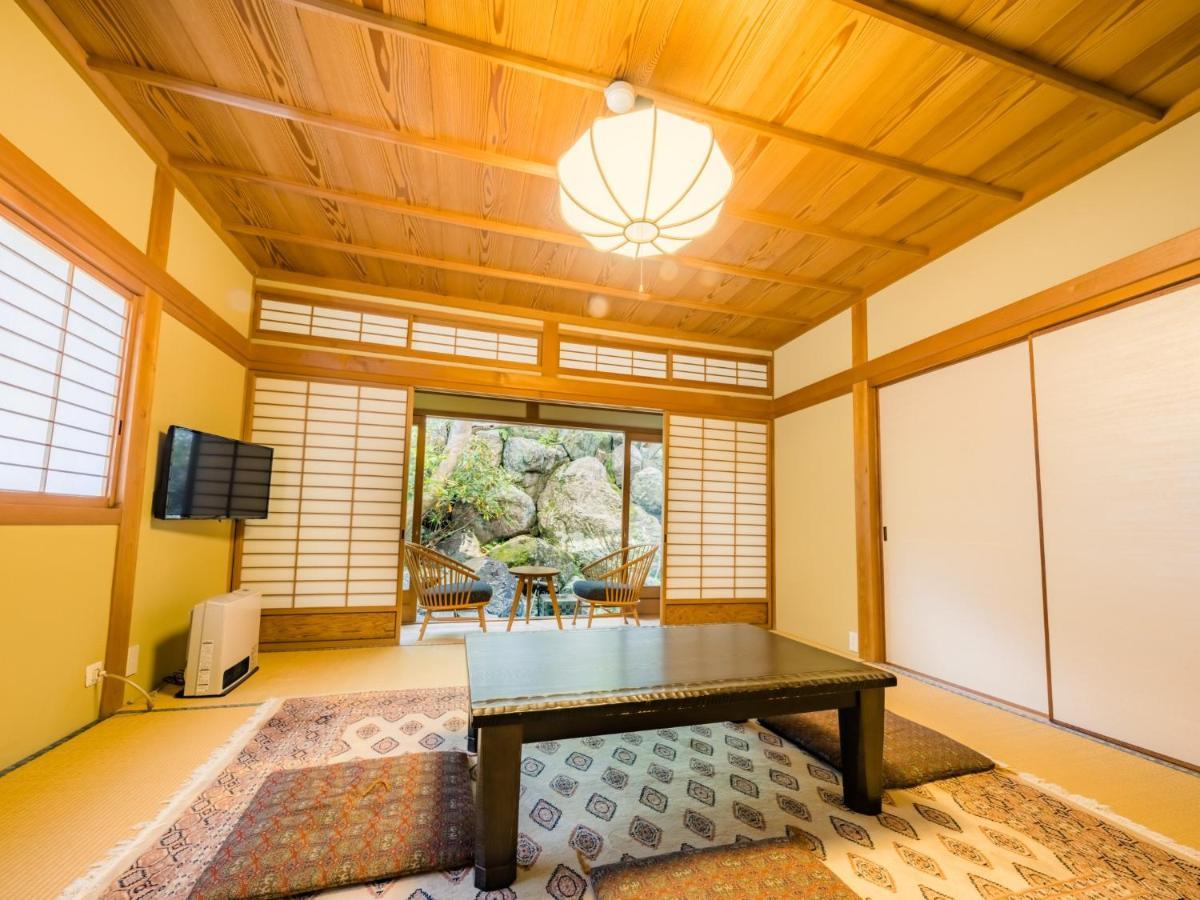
pixel 328 559
pixel 717 521
pixel 1118 401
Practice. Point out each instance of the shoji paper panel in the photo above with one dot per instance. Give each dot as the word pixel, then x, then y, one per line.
pixel 1119 434
pixel 333 537
pixel 962 565
pixel 718 518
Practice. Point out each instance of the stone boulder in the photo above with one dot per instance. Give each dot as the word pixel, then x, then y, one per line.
pixel 646 529
pixel 503 582
pixel 646 490
pixel 523 455
pixel 580 511
pixel 527 550
pixel 461 545
pixel 518 513
pixel 580 444
pixel 494 441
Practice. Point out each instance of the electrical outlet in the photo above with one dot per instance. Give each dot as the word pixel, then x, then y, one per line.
pixel 131 660
pixel 853 642
pixel 92 674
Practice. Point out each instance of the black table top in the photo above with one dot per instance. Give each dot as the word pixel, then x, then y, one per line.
pixel 543 671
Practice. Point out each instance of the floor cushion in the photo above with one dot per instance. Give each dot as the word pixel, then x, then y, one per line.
pixel 912 753
pixel 595 590
pixel 311 829
pixel 477 591
pixel 778 868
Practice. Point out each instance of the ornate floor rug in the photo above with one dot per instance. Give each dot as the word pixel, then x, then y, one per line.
pixel 599 800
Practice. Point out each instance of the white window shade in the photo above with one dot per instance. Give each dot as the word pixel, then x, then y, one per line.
pixel 719 370
pixel 62 345
pixel 335 323
pixel 337 495
pixel 474 343
pixel 717 509
pixel 611 360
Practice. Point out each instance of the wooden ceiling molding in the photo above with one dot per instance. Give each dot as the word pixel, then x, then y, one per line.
pixel 409 150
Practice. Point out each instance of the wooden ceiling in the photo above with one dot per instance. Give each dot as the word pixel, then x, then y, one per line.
pixel 410 145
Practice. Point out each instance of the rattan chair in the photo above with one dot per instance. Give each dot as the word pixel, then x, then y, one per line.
pixel 443 584
pixel 614 584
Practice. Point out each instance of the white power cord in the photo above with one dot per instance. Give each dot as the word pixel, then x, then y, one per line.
pixel 132 684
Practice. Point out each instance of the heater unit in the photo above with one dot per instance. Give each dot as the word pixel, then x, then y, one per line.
pixel 222 644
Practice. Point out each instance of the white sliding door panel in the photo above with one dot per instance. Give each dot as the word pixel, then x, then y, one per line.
pixel 1119 434
pixel 962 564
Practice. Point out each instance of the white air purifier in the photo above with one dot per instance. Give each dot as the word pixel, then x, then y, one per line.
pixel 222 644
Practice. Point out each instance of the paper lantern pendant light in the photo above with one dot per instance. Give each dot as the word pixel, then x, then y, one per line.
pixel 644 182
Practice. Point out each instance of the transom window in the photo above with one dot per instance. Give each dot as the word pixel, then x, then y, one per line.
pixel 62 347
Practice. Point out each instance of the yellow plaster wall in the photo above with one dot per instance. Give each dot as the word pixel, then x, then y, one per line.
pixel 182 562
pixel 53 117
pixel 208 268
pixel 55 582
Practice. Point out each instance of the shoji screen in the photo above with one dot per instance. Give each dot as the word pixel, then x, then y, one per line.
pixel 333 538
pixel 962 565
pixel 717 520
pixel 1119 437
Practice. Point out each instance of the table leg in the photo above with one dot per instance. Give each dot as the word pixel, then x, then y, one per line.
pixel 554 600
pixel 861 728
pixel 528 598
pixel 512 612
pixel 498 788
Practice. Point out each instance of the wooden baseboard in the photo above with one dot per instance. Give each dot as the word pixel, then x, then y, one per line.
pixel 293 629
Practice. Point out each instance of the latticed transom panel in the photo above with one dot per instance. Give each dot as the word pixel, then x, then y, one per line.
pixel 717 509
pixel 474 343
pixel 335 323
pixel 334 535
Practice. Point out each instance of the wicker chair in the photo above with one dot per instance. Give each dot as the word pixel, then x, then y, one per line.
pixel 443 584
pixel 614 583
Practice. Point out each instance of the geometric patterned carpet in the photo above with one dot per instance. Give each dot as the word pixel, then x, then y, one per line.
pixel 599 800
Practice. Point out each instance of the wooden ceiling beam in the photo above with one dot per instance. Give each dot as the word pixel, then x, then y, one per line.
pixel 456 151
pixel 479 223
pixel 807 226
pixel 291 113
pixel 950 35
pixel 597 82
pixel 466 268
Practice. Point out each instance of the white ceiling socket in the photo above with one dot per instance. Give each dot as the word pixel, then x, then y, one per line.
pixel 620 97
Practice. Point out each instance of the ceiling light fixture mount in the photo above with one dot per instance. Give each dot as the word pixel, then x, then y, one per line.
pixel 644 181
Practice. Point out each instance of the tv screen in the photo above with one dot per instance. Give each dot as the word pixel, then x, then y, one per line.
pixel 205 476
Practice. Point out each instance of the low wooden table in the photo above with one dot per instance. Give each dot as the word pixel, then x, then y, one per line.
pixel 538 686
pixel 526 576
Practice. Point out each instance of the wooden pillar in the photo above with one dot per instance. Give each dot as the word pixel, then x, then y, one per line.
pixel 136 438
pixel 868 527
pixel 550 349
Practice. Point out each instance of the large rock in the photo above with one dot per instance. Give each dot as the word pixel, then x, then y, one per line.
pixel 503 582
pixel 461 545
pixel 457 436
pixel 580 511
pixel 494 441
pixel 517 516
pixel 527 550
pixel 580 444
pixel 523 455
pixel 646 529
pixel 646 490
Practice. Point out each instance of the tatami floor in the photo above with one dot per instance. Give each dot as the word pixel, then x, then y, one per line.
pixel 67 808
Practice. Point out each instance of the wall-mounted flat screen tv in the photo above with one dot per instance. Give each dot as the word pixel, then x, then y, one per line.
pixel 205 476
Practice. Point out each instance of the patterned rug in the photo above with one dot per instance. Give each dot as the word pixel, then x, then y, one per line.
pixel 599 800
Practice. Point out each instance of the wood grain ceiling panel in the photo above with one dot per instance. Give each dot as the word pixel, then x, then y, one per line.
pixel 863 144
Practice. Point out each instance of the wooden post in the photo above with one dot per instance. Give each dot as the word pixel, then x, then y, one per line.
pixel 868 527
pixel 135 449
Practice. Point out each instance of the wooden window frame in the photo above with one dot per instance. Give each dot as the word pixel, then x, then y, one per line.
pixel 48 508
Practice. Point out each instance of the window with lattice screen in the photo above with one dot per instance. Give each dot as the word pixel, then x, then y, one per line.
pixel 334 533
pixel 717 509
pixel 316 320
pixel 62 346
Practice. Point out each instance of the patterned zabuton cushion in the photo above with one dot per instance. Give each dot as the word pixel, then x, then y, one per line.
pixel 776 869
pixel 311 829
pixel 912 753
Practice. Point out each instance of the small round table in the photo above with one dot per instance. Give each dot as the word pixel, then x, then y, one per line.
pixel 526 576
